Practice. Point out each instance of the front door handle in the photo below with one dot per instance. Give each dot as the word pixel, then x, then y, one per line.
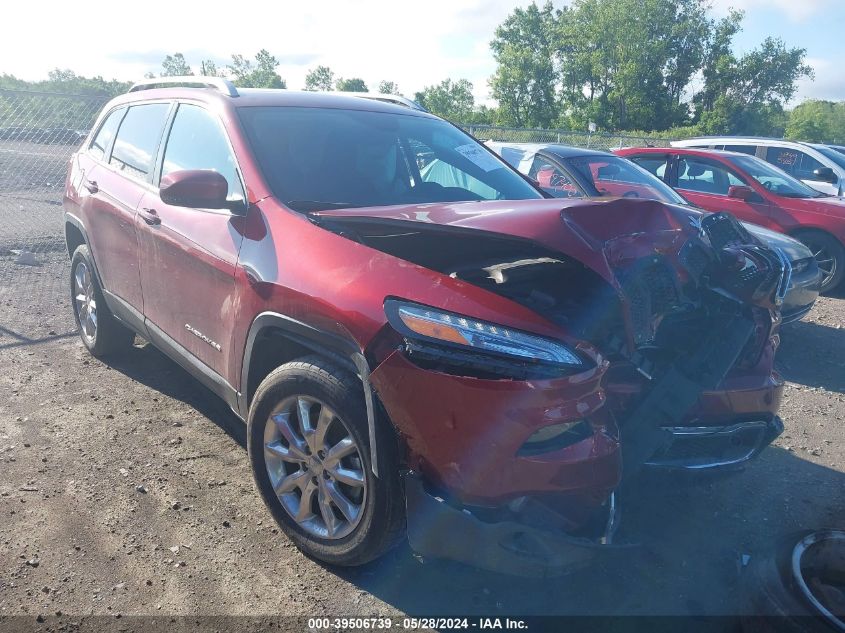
pixel 150 216
pixel 90 185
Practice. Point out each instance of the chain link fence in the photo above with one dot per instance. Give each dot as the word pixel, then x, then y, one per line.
pixel 599 141
pixel 38 133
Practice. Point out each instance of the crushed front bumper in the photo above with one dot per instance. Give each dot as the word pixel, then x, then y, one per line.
pixel 440 530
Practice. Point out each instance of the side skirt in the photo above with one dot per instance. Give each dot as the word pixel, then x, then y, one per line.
pixel 190 363
pixel 134 320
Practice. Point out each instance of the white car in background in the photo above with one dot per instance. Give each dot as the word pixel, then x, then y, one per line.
pixel 820 166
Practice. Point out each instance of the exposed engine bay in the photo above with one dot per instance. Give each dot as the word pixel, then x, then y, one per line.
pixel 679 306
pixel 653 310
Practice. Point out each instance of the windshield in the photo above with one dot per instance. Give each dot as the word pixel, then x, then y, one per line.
pixel 775 180
pixel 321 158
pixel 832 154
pixel 614 176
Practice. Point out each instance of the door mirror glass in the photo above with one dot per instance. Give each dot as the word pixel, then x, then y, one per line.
pixel 740 192
pixel 196 188
pixel 825 174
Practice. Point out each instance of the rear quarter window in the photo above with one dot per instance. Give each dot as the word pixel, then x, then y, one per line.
pixel 751 150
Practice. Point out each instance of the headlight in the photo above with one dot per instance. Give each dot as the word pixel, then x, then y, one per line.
pixel 462 339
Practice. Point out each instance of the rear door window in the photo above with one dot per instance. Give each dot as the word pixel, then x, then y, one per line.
pixel 100 145
pixel 751 150
pixel 695 174
pixel 138 138
pixel 553 180
pixel 654 163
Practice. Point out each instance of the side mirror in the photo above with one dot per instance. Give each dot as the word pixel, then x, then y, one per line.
pixel 826 174
pixel 197 188
pixel 741 192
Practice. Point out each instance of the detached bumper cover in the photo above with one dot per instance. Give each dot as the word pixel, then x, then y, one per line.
pixel 440 530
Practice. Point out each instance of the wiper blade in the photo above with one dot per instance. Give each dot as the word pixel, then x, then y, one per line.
pixel 318 205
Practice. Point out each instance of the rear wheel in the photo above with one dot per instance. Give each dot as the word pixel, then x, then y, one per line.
pixel 99 330
pixel 309 446
pixel 829 254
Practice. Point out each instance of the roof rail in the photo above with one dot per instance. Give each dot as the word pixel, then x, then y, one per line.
pixel 378 96
pixel 223 85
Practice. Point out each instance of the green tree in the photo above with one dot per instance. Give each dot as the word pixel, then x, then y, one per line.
pixel 816 121
pixel 626 63
pixel 525 79
pixel 718 61
pixel 175 66
pixel 260 75
pixel 482 115
pixel 448 99
pixel 751 91
pixel 351 85
pixel 320 79
pixel 208 68
pixel 388 87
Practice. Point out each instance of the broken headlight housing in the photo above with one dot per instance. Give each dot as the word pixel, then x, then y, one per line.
pixel 450 340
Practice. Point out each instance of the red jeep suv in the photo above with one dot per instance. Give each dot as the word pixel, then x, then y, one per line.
pixel 481 371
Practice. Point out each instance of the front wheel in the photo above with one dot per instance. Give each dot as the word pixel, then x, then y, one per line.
pixel 309 447
pixel 829 254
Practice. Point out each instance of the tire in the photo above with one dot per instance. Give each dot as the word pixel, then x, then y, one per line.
pixel 832 252
pixel 324 386
pixel 108 335
pixel 773 602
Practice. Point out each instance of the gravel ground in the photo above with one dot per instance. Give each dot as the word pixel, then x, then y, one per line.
pixel 126 490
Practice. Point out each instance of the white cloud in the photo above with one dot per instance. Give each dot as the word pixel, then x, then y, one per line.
pixel 793 9
pixel 829 83
pixel 412 43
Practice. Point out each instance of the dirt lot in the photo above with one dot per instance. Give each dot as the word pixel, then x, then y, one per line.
pixel 125 489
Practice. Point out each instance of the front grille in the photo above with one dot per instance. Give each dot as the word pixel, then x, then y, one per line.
pixel 651 291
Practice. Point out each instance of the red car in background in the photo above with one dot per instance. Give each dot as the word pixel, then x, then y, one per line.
pixel 755 191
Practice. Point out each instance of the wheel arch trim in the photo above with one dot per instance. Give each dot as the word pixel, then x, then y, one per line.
pixel 342 350
pixel 79 226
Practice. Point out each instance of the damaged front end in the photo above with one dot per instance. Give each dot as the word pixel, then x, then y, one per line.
pixel 515 464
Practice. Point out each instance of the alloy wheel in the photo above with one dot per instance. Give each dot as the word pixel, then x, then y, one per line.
pixel 824 255
pixel 315 467
pixel 825 260
pixel 85 300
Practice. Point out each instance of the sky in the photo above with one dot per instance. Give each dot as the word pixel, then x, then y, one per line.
pixel 412 43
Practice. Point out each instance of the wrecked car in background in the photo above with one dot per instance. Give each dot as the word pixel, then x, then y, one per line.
pixel 483 370
pixel 575 172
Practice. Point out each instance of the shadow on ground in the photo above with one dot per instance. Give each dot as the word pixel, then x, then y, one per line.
pixel 813 354
pixel 148 366
pixel 690 535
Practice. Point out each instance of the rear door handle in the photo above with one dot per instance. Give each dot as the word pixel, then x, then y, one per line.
pixel 90 185
pixel 150 216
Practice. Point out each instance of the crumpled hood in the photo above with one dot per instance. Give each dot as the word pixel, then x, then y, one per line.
pixel 599 233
